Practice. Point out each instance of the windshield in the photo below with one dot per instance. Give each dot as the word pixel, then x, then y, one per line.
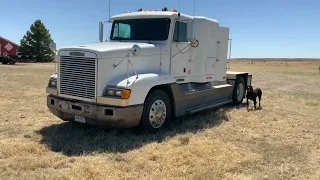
pixel 141 29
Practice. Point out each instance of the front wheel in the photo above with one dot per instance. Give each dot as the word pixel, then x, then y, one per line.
pixel 238 91
pixel 156 111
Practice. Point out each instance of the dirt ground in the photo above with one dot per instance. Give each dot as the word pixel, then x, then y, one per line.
pixel 278 141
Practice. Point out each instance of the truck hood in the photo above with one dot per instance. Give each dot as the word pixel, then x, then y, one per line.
pixel 102 47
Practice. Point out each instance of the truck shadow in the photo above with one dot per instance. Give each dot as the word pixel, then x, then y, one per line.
pixel 73 139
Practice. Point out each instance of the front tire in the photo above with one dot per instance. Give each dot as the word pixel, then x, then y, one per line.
pixel 156 112
pixel 238 91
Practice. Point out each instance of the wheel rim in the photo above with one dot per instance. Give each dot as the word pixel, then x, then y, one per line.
pixel 157 114
pixel 240 91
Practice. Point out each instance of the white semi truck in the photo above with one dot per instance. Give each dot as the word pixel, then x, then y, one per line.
pixel 157 65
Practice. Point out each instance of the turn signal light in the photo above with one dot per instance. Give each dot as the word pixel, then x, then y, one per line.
pixel 126 94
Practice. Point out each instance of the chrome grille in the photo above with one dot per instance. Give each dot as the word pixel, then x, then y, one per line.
pixel 77 76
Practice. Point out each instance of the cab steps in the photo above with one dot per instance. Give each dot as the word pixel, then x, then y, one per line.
pixel 208 106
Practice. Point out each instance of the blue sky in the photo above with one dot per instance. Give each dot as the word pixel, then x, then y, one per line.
pixel 269 28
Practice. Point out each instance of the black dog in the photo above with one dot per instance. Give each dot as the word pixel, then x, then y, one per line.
pixel 252 94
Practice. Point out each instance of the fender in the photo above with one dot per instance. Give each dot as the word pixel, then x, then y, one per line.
pixel 141 86
pixel 232 77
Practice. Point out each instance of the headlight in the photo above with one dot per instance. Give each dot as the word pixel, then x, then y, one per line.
pixel 52 83
pixel 120 93
pixel 110 92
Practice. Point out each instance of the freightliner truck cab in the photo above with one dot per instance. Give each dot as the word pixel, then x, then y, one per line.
pixel 157 65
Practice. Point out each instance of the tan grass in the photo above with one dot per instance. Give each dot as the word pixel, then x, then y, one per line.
pixel 279 141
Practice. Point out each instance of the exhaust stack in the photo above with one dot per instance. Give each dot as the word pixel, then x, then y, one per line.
pixel 100 31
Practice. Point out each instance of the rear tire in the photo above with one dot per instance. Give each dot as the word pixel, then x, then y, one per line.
pixel 238 91
pixel 156 112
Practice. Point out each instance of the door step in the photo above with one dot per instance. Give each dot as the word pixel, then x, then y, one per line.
pixel 208 106
pixel 189 88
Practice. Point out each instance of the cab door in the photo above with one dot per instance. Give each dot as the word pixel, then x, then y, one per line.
pixel 181 51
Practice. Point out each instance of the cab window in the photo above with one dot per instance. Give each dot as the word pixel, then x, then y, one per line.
pixel 121 30
pixel 180 32
pixel 152 29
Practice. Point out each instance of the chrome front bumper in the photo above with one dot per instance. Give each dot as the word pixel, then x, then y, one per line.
pixel 95 114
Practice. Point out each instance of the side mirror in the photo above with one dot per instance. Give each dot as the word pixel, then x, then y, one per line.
pixel 136 50
pixel 194 42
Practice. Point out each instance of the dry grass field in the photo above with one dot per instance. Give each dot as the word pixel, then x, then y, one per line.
pixel 279 141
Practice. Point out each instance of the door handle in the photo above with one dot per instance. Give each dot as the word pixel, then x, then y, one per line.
pixel 217 60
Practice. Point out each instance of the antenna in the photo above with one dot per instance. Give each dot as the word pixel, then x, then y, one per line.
pixel 194 7
pixel 194 10
pixel 109 10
